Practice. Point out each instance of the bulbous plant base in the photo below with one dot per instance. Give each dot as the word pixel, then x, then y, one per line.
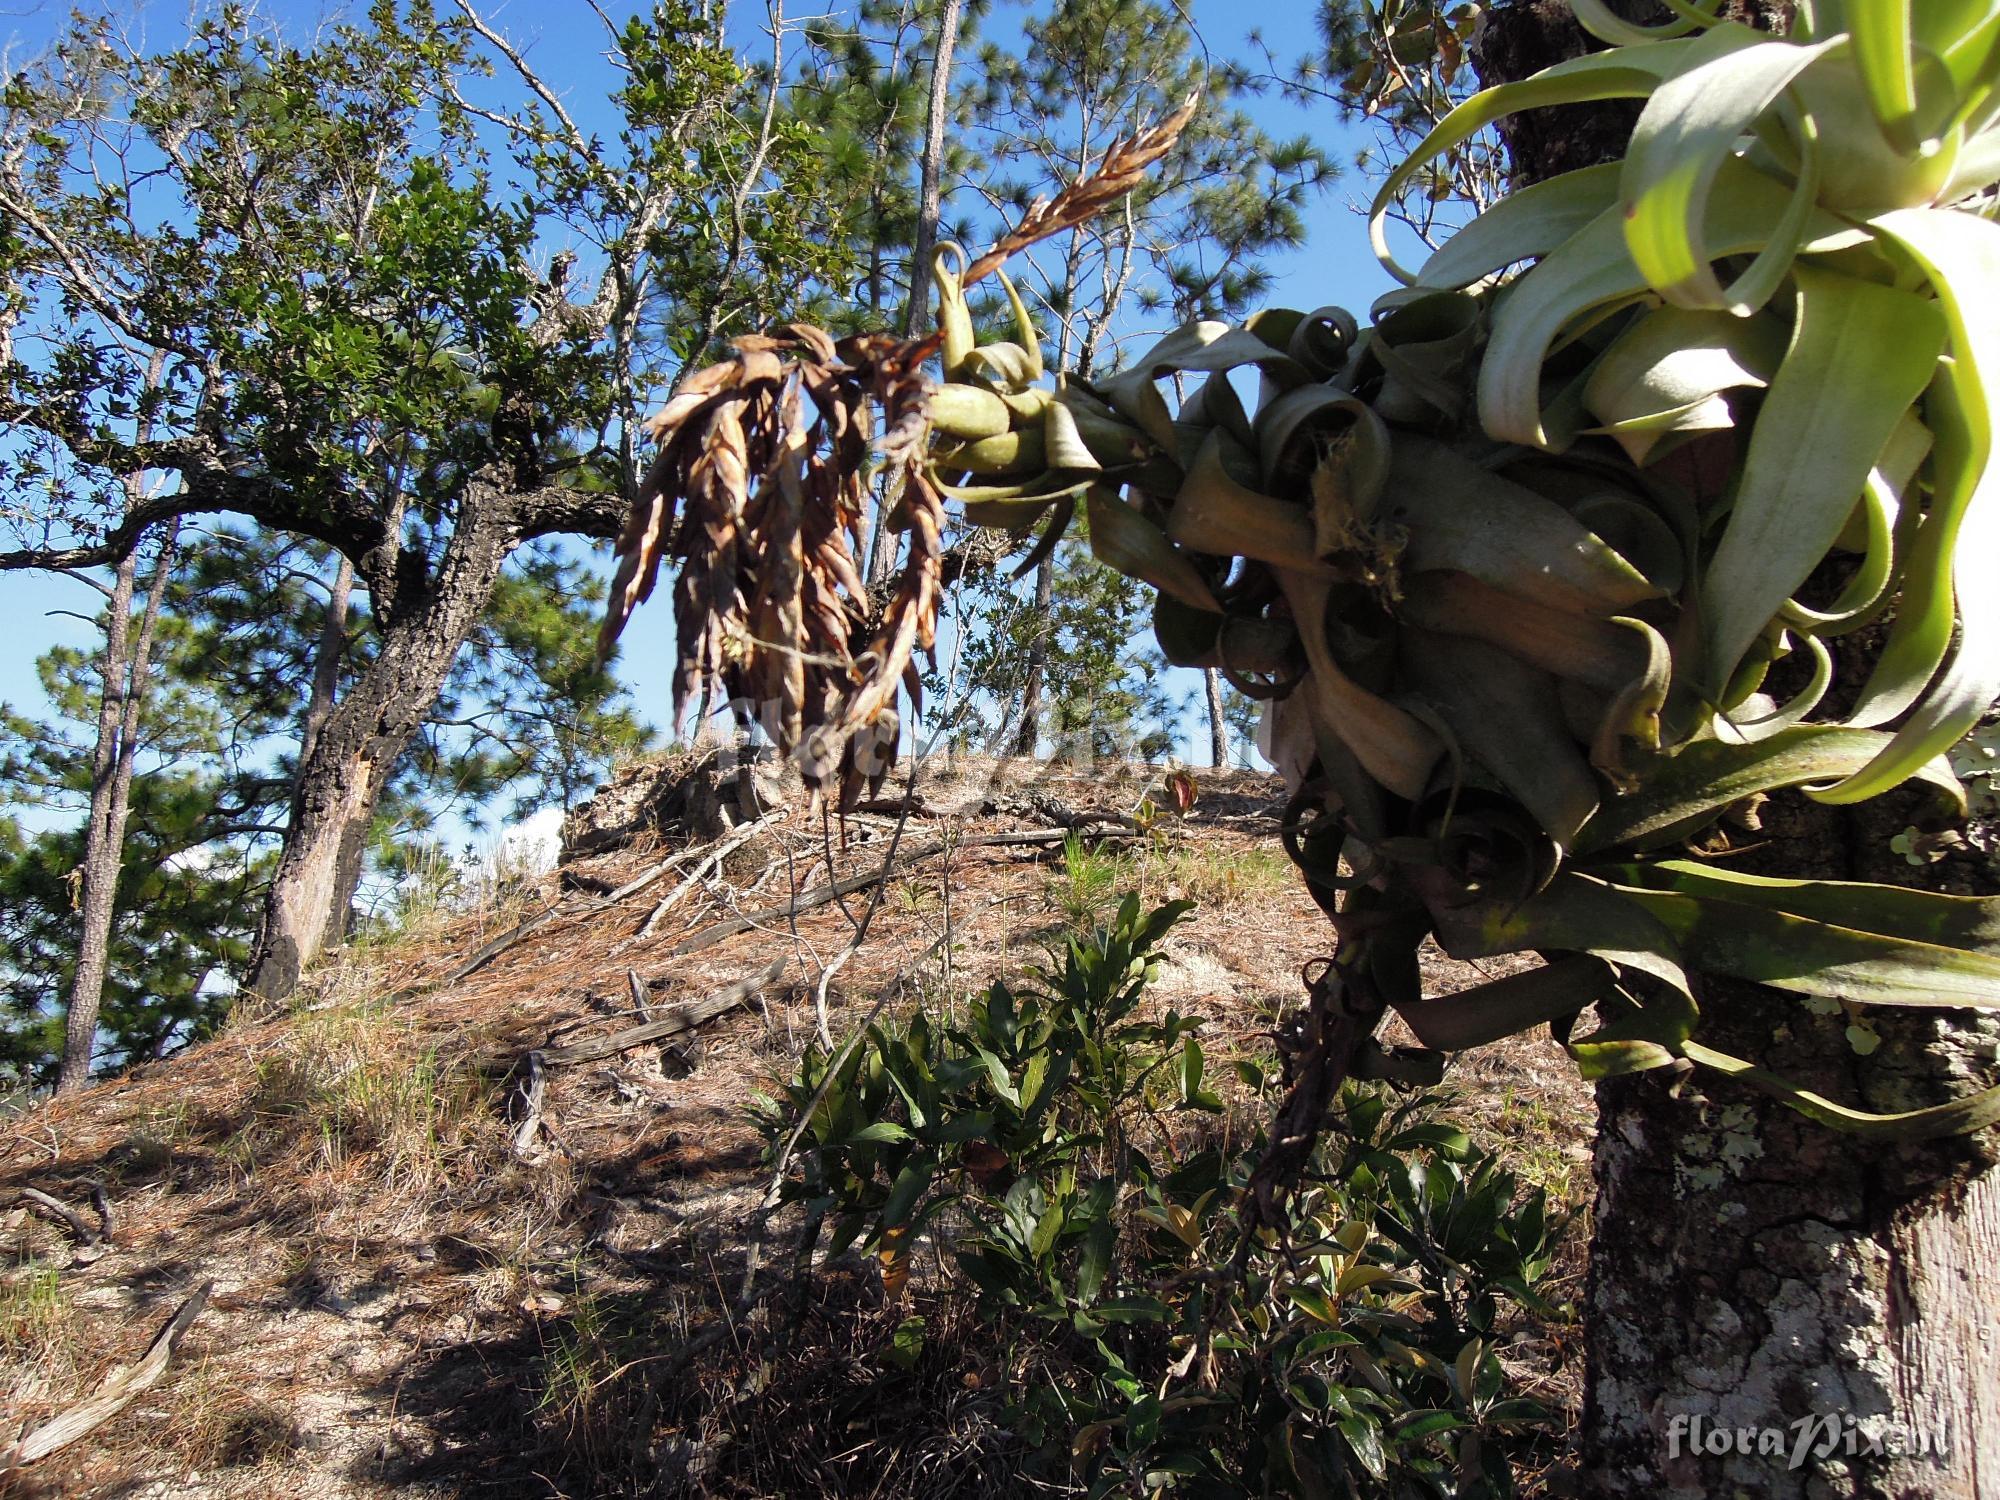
pixel 1766 1296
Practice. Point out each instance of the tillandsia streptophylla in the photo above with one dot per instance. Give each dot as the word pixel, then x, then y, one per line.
pixel 1538 572
pixel 760 489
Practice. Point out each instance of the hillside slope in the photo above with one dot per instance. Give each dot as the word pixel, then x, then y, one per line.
pixel 425 1285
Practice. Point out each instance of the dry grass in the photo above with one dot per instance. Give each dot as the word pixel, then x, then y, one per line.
pixel 1173 864
pixel 363 1084
pixel 208 1422
pixel 1223 878
pixel 401 1305
pixel 41 1349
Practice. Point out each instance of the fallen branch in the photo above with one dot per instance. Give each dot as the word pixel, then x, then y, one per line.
pixel 534 1087
pixel 101 1201
pixel 120 1386
pixel 833 890
pixel 534 1068
pixel 671 1023
pixel 51 1145
pixel 1052 835
pixel 641 998
pixel 915 805
pixel 501 944
pixel 55 1209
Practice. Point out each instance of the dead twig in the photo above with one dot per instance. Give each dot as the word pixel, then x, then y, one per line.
pixel 120 1386
pixel 534 1090
pixel 53 1146
pixel 548 914
pixel 58 1211
pixel 641 999
pixel 101 1201
pixel 711 861
pixel 867 917
pixel 506 940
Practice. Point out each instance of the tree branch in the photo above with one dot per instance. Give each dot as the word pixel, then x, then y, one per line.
pixel 209 487
pixel 554 509
pixel 577 140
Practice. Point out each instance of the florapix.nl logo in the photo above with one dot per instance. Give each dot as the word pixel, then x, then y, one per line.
pixel 1817 1436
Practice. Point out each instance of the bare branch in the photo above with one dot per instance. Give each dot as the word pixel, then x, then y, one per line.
pixel 577 140
pixel 741 201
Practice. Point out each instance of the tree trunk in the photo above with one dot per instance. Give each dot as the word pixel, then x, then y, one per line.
pixel 930 191
pixel 930 208
pixel 1752 1271
pixel 1218 722
pixel 1759 1282
pixel 327 658
pixel 341 779
pixel 1028 737
pixel 123 693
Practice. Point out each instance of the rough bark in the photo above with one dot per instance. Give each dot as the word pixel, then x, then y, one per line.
pixel 341 779
pixel 327 657
pixel 1523 38
pixel 97 874
pixel 1749 1269
pixel 1753 1270
pixel 123 690
pixel 1218 721
pixel 930 184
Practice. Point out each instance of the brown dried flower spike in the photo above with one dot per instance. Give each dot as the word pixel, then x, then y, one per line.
pixel 758 492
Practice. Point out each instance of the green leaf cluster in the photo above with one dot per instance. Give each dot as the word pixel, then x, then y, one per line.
pixel 1036 1141
pixel 1543 571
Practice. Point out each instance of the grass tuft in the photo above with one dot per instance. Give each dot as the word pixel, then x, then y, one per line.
pixel 359 1082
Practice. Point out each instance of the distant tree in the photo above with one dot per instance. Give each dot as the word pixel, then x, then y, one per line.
pixel 353 344
pixel 133 904
pixel 1191 244
pixel 863 85
pixel 208 742
pixel 1109 700
pixel 1397 70
pixel 875 84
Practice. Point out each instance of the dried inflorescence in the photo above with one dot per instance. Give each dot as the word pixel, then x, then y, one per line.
pixel 758 492
pixel 766 465
pixel 1122 170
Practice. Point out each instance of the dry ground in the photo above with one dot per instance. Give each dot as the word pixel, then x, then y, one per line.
pixel 405 1306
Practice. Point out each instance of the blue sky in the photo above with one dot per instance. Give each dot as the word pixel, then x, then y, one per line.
pixel 563 41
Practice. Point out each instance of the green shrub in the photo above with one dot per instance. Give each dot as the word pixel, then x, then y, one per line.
pixel 1144 1347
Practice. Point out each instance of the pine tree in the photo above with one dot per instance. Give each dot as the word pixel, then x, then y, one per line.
pixel 147 936
pixel 218 729
pixel 1191 244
